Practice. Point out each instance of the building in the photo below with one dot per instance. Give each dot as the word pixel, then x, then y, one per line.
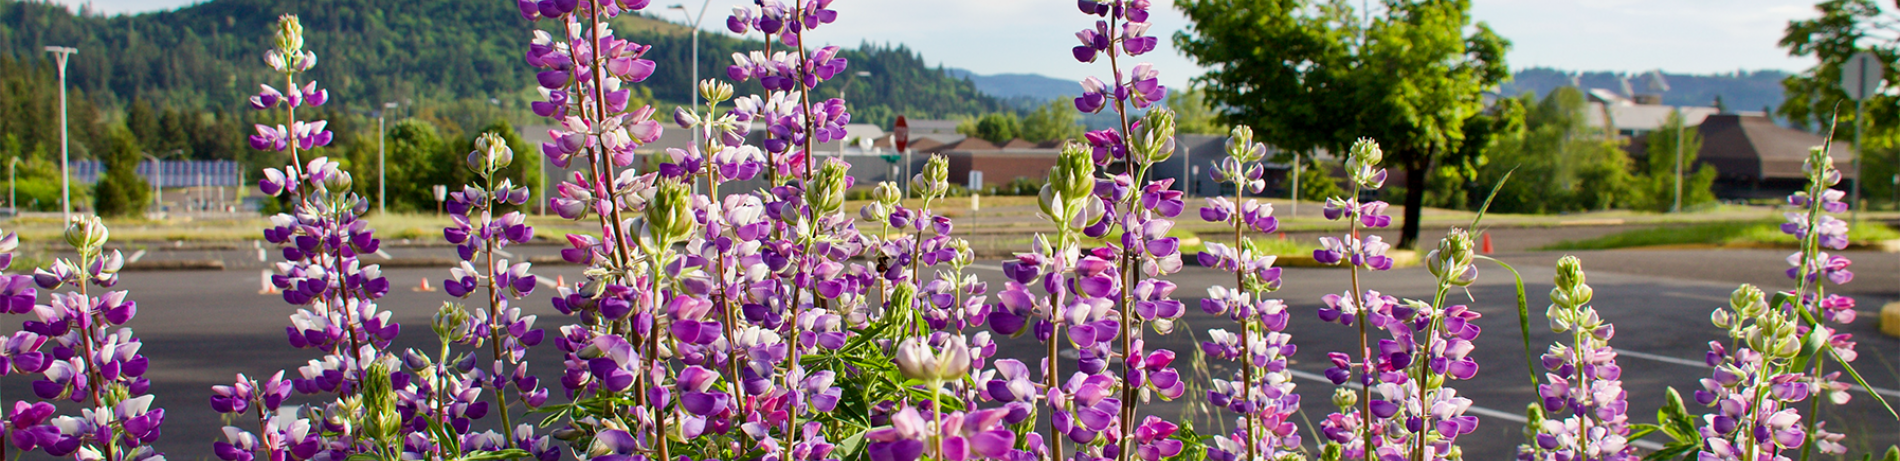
pixel 1753 157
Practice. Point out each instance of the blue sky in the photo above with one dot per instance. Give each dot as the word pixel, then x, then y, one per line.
pixel 1034 36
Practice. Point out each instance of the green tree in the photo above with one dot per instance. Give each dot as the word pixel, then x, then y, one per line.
pixel 1056 120
pixel 997 127
pixel 1192 115
pixel 1308 74
pixel 1562 164
pixel 120 191
pixel 418 161
pixel 1657 183
pixel 1811 98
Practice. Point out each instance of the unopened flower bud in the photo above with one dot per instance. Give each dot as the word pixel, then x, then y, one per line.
pixel 1344 398
pixel 1366 151
pixel 934 180
pixel 670 213
pixel 887 194
pixel 1747 300
pixel 1721 318
pixel 715 90
pixel 491 154
pixel 87 234
pixel 1074 174
pixel 825 194
pixel 289 37
pixel 1569 272
pixel 450 322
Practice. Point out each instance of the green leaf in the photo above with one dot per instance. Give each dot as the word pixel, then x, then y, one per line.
pixel 1812 344
pixel 1674 419
pixel 1669 452
pixel 1523 316
pixel 1862 381
pixel 1638 431
pixel 1893 454
pixel 1487 199
pixel 511 453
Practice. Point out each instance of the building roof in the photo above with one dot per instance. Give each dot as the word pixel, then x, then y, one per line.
pixel 1751 147
pixel 1755 146
pixel 1643 117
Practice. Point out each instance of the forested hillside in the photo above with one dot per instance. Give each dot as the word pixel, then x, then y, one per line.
pixel 208 56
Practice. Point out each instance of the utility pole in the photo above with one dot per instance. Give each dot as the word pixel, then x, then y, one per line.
pixel 61 54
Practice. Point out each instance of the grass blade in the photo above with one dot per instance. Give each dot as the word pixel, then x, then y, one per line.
pixel 1523 319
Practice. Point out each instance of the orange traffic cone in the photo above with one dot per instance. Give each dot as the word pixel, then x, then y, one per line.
pixel 1282 236
pixel 424 287
pixel 1487 243
pixel 264 285
pixel 560 280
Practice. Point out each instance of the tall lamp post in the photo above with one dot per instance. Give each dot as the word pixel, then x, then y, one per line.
pixel 693 87
pixel 61 53
pixel 158 180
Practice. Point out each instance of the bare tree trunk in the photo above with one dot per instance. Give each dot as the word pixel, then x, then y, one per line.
pixel 1415 173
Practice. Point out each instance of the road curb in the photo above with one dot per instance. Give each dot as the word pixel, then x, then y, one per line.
pixel 176 265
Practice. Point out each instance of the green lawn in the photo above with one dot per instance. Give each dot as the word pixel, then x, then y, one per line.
pixel 1746 233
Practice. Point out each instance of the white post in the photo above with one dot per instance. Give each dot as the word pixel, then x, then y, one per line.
pixel 61 53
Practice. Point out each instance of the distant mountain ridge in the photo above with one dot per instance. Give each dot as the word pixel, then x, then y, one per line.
pixel 1008 86
pixel 207 56
pixel 1740 90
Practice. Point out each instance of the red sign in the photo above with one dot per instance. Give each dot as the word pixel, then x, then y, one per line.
pixel 902 134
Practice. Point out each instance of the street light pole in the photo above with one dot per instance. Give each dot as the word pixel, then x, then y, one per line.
pixel 693 87
pixel 61 53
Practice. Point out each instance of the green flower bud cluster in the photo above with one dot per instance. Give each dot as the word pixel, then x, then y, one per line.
pixel 934 181
pixel 1242 148
pixel 884 198
pixel 1451 261
pixel 491 155
pixel 289 37
pixel 1345 398
pixel 1362 163
pixel 87 234
pixel 1155 142
pixel 1071 183
pixel 1749 318
pixel 669 213
pixel 381 421
pixel 289 56
pixel 451 323
pixel 715 91
pixel 825 194
pixel 1570 299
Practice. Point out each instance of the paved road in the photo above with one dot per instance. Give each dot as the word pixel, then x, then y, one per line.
pixel 201 328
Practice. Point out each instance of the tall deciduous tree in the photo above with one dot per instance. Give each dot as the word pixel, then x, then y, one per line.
pixel 1054 121
pixel 1845 27
pixel 1312 74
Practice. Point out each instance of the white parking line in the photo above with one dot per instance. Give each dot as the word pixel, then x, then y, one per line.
pixel 1481 411
pixel 136 256
pixel 987 266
